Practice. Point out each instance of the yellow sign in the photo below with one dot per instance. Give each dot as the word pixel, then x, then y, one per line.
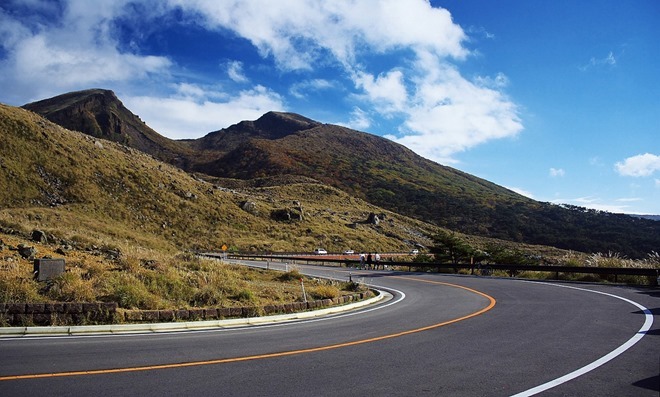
pixel 224 247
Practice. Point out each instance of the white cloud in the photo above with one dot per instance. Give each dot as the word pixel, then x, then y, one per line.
pixel 182 117
pixel 596 161
pixel 522 192
pixel 448 114
pixel 440 112
pixel 609 60
pixel 235 72
pixel 424 39
pixel 638 166
pixel 359 120
pixel 301 89
pixel 73 52
pixel 386 90
pixel 597 203
pixel 299 33
pixel 629 199
pixel 557 172
pixel 497 82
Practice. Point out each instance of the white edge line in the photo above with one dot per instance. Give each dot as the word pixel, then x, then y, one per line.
pixel 601 361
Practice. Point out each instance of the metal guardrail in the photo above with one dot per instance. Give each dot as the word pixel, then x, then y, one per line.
pixel 512 270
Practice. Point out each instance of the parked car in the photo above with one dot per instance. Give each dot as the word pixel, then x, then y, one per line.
pixel 349 252
pixel 320 251
pixel 414 252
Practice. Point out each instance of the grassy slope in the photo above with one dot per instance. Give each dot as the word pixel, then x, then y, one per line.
pixel 76 185
pixel 126 217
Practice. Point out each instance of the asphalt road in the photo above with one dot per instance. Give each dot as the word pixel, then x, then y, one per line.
pixel 439 336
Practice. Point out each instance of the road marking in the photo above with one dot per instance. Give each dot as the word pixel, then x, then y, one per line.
pixel 491 304
pixel 648 322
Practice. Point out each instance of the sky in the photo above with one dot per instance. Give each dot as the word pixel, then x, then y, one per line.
pixel 557 100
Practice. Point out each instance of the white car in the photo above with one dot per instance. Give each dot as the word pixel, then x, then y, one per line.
pixel 320 251
pixel 349 252
pixel 414 252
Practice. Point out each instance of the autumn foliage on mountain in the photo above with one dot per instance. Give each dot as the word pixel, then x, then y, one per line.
pixel 364 166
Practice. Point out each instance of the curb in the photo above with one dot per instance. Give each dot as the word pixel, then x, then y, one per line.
pixel 113 329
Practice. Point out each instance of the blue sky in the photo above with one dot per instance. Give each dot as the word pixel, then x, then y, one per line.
pixel 558 100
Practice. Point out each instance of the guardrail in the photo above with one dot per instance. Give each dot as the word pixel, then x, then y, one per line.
pixel 481 269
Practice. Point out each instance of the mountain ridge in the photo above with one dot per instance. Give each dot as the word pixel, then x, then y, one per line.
pixel 89 191
pixel 389 175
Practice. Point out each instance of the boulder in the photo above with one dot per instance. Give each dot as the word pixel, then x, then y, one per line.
pixel 39 236
pixel 281 215
pixel 373 219
pixel 249 207
pixel 26 251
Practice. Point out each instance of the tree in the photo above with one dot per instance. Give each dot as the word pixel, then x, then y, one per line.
pixel 448 247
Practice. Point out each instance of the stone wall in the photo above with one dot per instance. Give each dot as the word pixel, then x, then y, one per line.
pixel 45 314
pixel 60 313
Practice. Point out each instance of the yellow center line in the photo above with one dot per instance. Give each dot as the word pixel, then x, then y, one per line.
pixel 491 304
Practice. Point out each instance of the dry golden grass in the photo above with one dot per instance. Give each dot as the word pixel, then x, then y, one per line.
pixel 143 278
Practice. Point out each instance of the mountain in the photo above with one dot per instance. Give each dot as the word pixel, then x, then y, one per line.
pixel 391 176
pixel 101 114
pixel 90 192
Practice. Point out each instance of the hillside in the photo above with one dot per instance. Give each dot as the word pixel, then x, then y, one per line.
pixel 388 175
pixel 393 177
pixel 92 192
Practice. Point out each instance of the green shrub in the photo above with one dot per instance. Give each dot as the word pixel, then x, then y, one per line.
pixel 246 296
pixel 130 293
pixel 207 296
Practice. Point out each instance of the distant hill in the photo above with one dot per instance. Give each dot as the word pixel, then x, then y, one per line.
pixel 385 174
pixel 651 217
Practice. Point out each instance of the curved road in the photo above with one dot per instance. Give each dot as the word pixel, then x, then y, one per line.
pixel 439 335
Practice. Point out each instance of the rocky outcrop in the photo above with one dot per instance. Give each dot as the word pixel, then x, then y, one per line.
pixel 249 207
pixel 101 114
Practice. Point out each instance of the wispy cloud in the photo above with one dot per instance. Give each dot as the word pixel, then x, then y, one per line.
pixel 596 203
pixel 480 31
pixel 557 172
pixel 300 90
pixel 359 119
pixel 639 166
pixel 609 60
pixel 596 161
pixel 629 199
pixel 522 192
pixel 235 72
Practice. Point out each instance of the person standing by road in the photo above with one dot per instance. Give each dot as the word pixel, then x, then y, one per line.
pixel 370 262
pixel 377 258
